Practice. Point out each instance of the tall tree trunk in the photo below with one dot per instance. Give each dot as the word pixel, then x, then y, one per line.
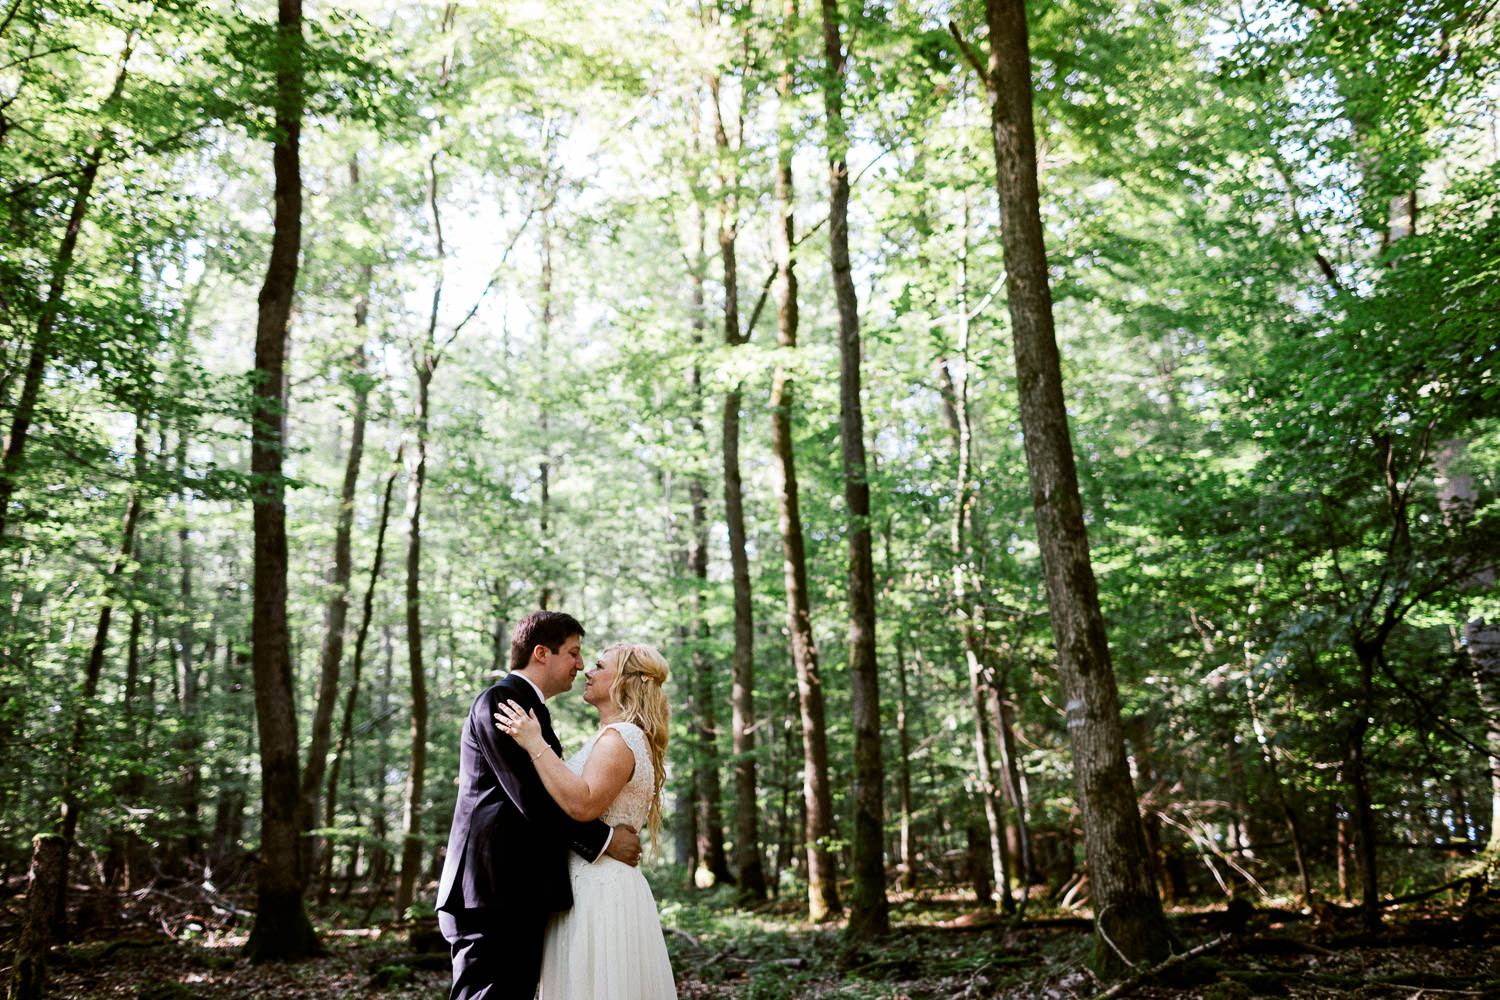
pixel 1129 922
pixel 281 929
pixel 336 613
pixel 346 730
pixel 906 862
pixel 694 556
pixel 822 875
pixel 1013 786
pixel 908 857
pixel 189 776
pixel 229 805
pixel 127 849
pixel 380 859
pixel 742 701
pixel 967 539
pixel 869 911
pixel 62 264
pixel 426 362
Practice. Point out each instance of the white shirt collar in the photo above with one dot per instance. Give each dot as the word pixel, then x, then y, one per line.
pixel 539 696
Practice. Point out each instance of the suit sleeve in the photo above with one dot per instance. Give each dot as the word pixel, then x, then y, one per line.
pixel 523 786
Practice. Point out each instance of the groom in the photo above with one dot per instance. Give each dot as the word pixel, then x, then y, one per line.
pixel 506 871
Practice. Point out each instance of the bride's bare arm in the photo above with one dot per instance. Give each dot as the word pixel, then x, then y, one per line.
pixel 583 797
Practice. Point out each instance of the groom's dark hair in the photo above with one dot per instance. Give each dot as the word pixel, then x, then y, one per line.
pixel 541 628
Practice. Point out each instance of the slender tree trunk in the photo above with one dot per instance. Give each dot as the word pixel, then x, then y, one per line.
pixel 905 864
pixel 968 601
pixel 1130 926
pixel 346 730
pixel 128 850
pixel 1014 787
pixel 425 360
pixel 694 556
pixel 229 805
pixel 1268 756
pixel 817 795
pixel 707 823
pixel 380 860
pixel 336 613
pixel 189 776
pixel 710 821
pixel 908 860
pixel 869 914
pixel 281 929
pixel 742 702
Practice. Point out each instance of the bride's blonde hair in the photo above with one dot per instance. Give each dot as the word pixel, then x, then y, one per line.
pixel 640 672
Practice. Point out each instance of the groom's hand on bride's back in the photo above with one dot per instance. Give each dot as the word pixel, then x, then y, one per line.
pixel 625 846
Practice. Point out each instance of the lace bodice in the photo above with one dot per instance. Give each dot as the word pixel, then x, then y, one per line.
pixel 633 804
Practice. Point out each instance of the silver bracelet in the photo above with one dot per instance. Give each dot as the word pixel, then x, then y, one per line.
pixel 538 753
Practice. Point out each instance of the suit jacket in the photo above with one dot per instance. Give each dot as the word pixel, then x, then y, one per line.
pixel 509 841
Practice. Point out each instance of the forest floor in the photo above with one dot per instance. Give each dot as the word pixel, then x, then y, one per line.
pixel 183 945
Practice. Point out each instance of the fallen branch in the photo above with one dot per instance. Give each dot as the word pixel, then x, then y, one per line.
pixel 1428 893
pixel 1121 989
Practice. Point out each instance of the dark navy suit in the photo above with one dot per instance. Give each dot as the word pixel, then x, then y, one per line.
pixel 506 870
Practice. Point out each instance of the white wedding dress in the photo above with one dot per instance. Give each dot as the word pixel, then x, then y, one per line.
pixel 609 946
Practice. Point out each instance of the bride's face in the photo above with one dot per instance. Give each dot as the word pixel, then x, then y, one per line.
pixel 599 678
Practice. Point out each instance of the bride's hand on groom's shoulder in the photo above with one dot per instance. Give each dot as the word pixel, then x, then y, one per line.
pixel 522 727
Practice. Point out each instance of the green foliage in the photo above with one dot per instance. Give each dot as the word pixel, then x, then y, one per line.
pixel 1257 343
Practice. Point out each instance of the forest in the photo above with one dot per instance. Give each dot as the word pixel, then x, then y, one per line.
pixel 1056 447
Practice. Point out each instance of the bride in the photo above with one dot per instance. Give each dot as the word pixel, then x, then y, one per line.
pixel 610 944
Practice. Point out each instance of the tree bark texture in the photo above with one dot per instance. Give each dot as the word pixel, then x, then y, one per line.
pixel 1129 922
pixel 44 886
pixel 281 929
pixel 869 911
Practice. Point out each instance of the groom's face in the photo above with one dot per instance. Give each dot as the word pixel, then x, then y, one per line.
pixel 560 668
